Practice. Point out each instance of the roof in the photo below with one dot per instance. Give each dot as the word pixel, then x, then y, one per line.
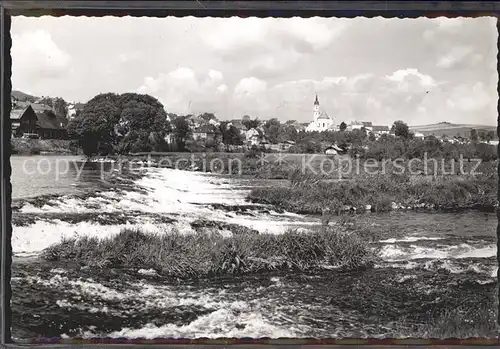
pixel 51 121
pixel 367 124
pixel 40 107
pixel 380 128
pixel 15 114
pixel 325 116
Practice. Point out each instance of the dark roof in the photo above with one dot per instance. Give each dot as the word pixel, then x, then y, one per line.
pixel 380 128
pixel 50 121
pixel 40 107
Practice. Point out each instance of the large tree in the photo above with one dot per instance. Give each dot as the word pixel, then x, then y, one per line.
pixel 342 126
pixel 249 123
pixel 112 123
pixel 181 132
pixel 230 134
pixel 401 129
pixel 60 107
pixel 272 130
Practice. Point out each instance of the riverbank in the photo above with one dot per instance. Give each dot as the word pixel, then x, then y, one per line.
pixel 381 193
pixel 21 146
pixel 119 276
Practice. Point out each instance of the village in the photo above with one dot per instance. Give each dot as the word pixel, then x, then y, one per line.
pixel 48 118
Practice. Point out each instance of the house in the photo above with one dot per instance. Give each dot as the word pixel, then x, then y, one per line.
pixel 74 108
pixel 380 130
pixel 207 132
pixel 368 125
pixel 38 119
pixel 170 138
pixel 358 125
pixel 254 137
pixel 418 135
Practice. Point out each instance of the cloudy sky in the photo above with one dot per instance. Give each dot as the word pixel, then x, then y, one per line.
pixel 381 70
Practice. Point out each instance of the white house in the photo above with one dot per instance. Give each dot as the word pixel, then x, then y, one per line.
pixel 358 125
pixel 321 120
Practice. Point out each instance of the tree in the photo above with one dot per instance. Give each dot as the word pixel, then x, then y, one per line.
pixel 181 131
pixel 94 127
pixel 46 100
pixel 272 130
pixel 343 126
pixel 371 137
pixel 401 129
pixel 250 123
pixel 60 107
pixel 207 116
pixel 490 136
pixel 473 135
pixel 230 134
pixel 112 123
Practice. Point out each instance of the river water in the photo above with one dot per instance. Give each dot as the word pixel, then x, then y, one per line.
pixel 429 262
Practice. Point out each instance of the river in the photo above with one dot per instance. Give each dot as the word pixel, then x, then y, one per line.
pixel 429 262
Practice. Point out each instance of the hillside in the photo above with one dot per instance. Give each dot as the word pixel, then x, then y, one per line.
pixel 451 130
pixel 23 97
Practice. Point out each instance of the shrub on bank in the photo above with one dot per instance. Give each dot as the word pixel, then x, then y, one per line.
pixel 206 254
pixel 379 193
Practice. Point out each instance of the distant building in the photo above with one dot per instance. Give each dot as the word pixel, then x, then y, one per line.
pixel 38 119
pixel 419 135
pixel 254 137
pixel 207 132
pixel 73 108
pixel 358 125
pixel 321 120
pixel 380 130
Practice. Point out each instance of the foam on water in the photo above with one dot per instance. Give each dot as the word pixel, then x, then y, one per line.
pixel 409 239
pixel 168 192
pixel 397 253
pixel 227 317
pixel 220 323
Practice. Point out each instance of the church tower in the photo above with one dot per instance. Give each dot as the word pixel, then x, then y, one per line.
pixel 316 109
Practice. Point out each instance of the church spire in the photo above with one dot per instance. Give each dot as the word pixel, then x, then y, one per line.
pixel 316 102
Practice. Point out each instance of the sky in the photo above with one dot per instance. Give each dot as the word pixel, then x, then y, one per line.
pixel 421 71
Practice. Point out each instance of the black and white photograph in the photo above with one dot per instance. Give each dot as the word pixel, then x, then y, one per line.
pixel 185 177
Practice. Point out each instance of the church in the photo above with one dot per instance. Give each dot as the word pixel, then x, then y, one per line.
pixel 321 120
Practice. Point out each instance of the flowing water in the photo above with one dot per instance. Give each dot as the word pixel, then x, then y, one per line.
pixel 429 262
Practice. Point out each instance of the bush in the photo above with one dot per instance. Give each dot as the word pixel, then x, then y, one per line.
pixel 207 254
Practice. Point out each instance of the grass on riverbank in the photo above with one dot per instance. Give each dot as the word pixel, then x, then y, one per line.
pixel 206 254
pixel 382 192
pixel 21 146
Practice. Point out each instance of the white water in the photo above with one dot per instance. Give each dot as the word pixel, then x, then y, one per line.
pixel 178 194
pixel 174 193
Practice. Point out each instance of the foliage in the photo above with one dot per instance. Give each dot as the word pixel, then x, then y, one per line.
pixel 124 123
pixel 342 126
pixel 401 129
pixel 206 254
pixel 250 123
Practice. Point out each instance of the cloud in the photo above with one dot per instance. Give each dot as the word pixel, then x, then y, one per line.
pixel 182 92
pixel 455 56
pixel 268 46
pixel 249 87
pixel 34 53
pixel 471 98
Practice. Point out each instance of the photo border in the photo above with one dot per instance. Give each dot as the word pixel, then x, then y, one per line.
pixel 347 9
